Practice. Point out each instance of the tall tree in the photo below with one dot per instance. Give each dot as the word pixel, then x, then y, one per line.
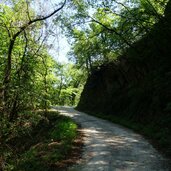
pixel 15 30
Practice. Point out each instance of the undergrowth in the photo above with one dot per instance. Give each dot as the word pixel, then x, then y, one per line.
pixel 42 145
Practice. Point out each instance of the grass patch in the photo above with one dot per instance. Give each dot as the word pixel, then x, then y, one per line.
pixel 44 145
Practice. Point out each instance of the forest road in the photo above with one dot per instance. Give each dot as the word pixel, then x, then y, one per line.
pixel 110 147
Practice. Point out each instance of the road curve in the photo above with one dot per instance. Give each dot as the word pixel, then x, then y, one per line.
pixel 110 147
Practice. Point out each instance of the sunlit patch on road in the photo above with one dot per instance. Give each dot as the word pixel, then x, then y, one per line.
pixel 110 147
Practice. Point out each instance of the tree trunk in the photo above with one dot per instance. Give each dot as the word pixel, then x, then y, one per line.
pixel 13 113
pixel 7 75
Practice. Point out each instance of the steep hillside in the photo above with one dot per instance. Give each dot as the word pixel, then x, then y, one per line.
pixel 137 87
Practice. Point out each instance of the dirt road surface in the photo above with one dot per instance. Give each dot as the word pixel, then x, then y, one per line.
pixel 110 147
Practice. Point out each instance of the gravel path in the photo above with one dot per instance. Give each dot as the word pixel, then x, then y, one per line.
pixel 110 147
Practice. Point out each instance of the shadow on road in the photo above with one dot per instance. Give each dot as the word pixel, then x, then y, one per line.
pixel 110 147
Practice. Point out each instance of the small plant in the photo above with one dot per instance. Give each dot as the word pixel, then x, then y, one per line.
pixel 65 130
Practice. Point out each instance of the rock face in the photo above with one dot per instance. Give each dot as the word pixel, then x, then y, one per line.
pixel 138 84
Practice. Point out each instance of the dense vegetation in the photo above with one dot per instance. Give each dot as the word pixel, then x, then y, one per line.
pixel 39 145
pixel 30 78
pixel 135 89
pixel 101 31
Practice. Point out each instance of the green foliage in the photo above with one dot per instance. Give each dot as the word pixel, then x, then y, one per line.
pixel 47 141
pixel 13 130
pixel 36 79
pixel 100 31
pixel 25 62
pixel 65 130
pixel 69 84
pixel 30 80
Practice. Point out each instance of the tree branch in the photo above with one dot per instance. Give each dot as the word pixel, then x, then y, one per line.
pixel 38 19
pixel 112 30
pixel 28 14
